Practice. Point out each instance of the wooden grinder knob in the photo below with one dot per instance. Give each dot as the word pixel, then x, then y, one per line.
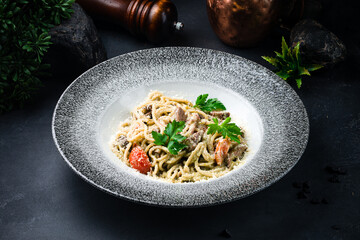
pixel 154 19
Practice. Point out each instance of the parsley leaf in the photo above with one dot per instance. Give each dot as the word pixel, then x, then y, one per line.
pixel 174 127
pixel 208 105
pixel 174 147
pixel 201 99
pixel 160 139
pixel 213 128
pixel 178 138
pixel 226 129
pixel 171 139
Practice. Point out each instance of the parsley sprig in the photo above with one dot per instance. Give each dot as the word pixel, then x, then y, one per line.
pixel 226 129
pixel 209 104
pixel 171 139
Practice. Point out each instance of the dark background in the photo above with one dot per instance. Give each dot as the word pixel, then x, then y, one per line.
pixel 41 197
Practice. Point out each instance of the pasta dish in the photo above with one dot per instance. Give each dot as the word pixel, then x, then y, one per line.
pixel 174 140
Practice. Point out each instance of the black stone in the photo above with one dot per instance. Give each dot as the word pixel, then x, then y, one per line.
pixel 225 233
pixel 76 45
pixel 317 44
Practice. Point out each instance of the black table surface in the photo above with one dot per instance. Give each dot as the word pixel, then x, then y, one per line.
pixel 42 198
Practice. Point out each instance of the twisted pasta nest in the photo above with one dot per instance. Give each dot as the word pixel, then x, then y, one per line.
pixel 194 163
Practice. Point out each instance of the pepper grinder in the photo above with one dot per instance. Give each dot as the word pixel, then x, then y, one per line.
pixel 153 19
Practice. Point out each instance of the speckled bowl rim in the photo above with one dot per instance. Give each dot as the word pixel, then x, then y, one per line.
pixel 223 193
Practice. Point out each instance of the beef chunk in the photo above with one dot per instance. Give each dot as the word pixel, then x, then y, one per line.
pixel 179 114
pixel 122 141
pixel 147 110
pixel 195 118
pixel 220 114
pixel 202 127
pixel 235 152
pixel 193 122
pixel 193 140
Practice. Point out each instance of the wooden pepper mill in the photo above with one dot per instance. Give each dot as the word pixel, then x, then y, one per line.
pixel 153 19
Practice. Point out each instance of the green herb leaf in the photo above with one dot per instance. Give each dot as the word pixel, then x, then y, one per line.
pixel 160 139
pixel 208 105
pixel 24 39
pixel 284 47
pixel 270 60
pixel 303 71
pixel 174 127
pixel 289 65
pixel 178 138
pixel 284 75
pixel 174 147
pixel 227 129
pixel 213 128
pixel 314 67
pixel 200 100
pixel 171 139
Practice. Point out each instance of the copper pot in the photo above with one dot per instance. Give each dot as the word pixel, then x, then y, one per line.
pixel 242 23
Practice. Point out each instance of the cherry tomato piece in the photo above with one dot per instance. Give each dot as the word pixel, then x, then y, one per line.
pixel 139 160
pixel 222 149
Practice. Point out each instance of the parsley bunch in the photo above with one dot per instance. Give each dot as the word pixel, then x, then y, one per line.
pixel 226 129
pixel 289 65
pixel 24 39
pixel 208 105
pixel 171 139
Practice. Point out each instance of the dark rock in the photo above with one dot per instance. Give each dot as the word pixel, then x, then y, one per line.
pixel 317 44
pixel 225 233
pixel 76 45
